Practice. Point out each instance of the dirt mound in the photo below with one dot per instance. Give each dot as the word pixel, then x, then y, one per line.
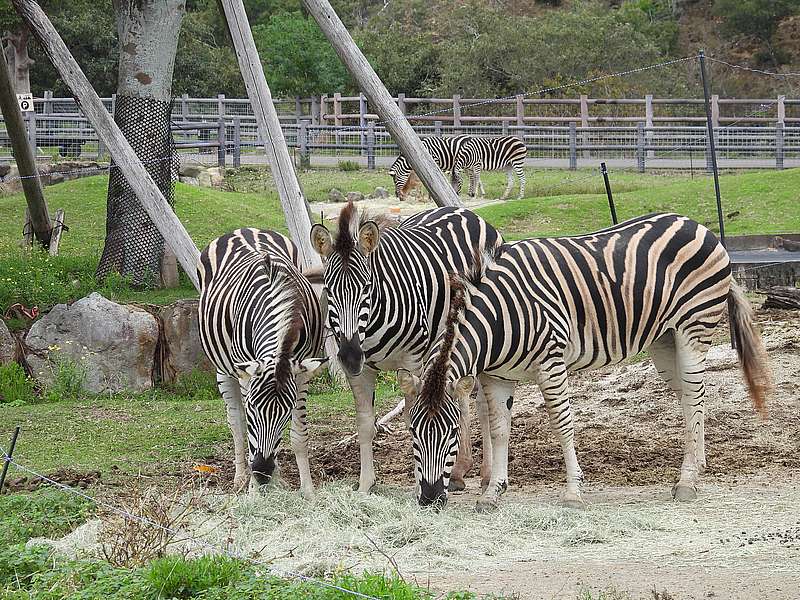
pixel 66 476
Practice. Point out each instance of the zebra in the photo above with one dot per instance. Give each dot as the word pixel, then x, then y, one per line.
pixel 387 291
pixel 491 154
pixel 540 308
pixel 261 327
pixel 442 149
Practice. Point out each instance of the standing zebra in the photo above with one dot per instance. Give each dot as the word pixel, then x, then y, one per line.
pixel 543 307
pixel 261 327
pixel 443 150
pixel 388 289
pixel 491 154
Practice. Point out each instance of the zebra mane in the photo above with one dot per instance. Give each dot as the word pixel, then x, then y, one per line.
pixel 435 381
pixel 289 320
pixel 350 221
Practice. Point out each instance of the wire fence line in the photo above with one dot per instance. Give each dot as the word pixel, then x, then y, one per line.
pixel 276 572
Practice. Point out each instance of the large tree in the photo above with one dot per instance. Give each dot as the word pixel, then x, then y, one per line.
pixel 148 39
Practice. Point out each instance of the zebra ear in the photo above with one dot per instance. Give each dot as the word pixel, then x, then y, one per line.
pixel 409 383
pixel 247 370
pixel 307 369
pixel 321 240
pixel 368 237
pixel 462 387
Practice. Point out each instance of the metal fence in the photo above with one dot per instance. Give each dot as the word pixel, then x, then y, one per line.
pixel 233 140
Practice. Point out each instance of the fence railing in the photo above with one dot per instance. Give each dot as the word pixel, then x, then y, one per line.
pixel 234 140
pixel 520 110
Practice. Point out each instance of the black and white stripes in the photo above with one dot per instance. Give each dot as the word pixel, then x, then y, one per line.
pixel 504 153
pixel 540 308
pixel 261 327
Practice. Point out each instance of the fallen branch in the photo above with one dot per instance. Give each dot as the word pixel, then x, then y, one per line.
pixel 782 297
pixel 391 559
pixel 381 425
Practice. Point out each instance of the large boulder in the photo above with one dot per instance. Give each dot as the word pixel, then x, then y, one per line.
pixel 335 196
pixel 8 345
pixel 183 352
pixel 114 344
pixel 354 196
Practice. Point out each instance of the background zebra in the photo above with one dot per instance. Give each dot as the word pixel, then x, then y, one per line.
pixel 442 149
pixel 261 327
pixel 387 291
pixel 543 307
pixel 504 153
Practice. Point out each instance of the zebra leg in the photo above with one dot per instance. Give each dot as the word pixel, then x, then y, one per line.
pixel 299 438
pixel 691 366
pixel 486 439
pixel 237 420
pixel 480 185
pixel 554 390
pixel 499 399
pixel 509 184
pixel 520 171
pixel 464 460
pixel 363 387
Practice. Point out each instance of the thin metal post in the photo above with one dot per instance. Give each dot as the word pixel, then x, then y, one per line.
pixel 712 147
pixel 437 128
pixel 573 146
pixel 302 144
pixel 611 206
pixel 7 458
pixel 221 143
pixel 371 145
pixel 779 145
pixel 237 141
pixel 640 152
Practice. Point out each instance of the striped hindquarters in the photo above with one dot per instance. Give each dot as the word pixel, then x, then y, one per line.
pixel 443 150
pixel 491 154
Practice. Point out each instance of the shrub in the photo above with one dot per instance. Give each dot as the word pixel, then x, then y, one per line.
pixel 69 377
pixel 196 386
pixel 16 388
pixel 349 165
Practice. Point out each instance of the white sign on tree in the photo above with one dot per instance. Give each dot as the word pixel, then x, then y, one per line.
pixel 25 102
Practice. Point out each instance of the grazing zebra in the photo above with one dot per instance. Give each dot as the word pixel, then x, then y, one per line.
pixel 442 149
pixel 505 153
pixel 387 291
pixel 541 308
pixel 261 327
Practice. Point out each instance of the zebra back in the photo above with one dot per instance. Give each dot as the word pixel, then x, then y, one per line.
pixel 490 154
pixel 443 150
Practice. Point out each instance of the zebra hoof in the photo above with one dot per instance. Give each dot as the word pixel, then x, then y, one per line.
pixel 364 489
pixel 486 506
pixel 684 493
pixel 573 502
pixel 457 485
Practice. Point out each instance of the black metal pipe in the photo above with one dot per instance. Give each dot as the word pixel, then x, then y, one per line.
pixel 611 206
pixel 7 458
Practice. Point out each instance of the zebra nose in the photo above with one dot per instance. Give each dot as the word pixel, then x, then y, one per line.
pixel 263 468
pixel 434 494
pixel 351 356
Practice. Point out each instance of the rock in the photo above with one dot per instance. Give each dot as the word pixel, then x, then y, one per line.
pixel 354 196
pixel 183 351
pixel 8 345
pixel 4 169
pixel 380 192
pixel 114 344
pixel 189 180
pixel 54 178
pixel 335 196
pixel 190 170
pixel 217 178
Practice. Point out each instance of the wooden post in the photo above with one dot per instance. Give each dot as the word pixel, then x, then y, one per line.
pixel 221 141
pixel 302 144
pixel 379 98
pixel 237 141
pixel 221 106
pixel 401 102
pixel 648 122
pixel 457 114
pixel 585 124
pixel 298 109
pixel 185 107
pixel 640 153
pixel 362 122
pixel 573 143
pixel 779 145
pixel 295 208
pixel 715 110
pixel 48 102
pixel 315 110
pixel 125 158
pixel 58 229
pixel 371 145
pixel 337 109
pixel 437 128
pixel 520 116
pixel 24 157
pixel 781 109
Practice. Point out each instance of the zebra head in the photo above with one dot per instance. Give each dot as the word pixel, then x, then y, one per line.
pixel 348 282
pixel 434 424
pixel 271 388
pixel 400 172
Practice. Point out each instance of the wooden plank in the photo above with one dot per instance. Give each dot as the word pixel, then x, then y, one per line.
pixel 107 130
pixel 295 208
pixel 382 101
pixel 58 229
pixel 23 155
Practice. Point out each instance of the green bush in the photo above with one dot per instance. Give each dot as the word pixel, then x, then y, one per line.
pixel 16 388
pixel 197 386
pixel 69 377
pixel 44 513
pixel 349 165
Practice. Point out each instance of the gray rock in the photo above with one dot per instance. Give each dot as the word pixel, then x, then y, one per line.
pixel 380 192
pixel 8 345
pixel 354 196
pixel 335 196
pixel 189 180
pixel 190 170
pixel 183 351
pixel 114 344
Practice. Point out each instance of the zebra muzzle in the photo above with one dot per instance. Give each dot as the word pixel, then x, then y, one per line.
pixel 263 468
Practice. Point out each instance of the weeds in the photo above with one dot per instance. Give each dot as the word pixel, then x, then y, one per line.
pixel 68 379
pixel 16 388
pixel 349 165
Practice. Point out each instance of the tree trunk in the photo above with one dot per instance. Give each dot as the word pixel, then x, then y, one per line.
pixel 17 58
pixel 148 40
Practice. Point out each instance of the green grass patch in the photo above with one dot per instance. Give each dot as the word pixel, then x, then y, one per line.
pixel 44 513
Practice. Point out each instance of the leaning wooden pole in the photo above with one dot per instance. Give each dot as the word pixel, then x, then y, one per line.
pixel 23 155
pixel 379 98
pixel 125 159
pixel 295 208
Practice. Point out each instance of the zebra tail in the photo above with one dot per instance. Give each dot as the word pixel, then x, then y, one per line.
pixel 752 355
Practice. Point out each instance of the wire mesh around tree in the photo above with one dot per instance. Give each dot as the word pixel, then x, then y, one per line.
pixel 134 247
